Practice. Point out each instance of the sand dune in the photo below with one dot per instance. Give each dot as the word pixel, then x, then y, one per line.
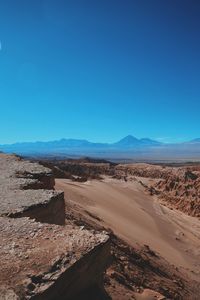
pixel 137 217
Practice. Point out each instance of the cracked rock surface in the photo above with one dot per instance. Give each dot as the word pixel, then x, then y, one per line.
pixel 26 189
pixel 39 259
pixel 34 255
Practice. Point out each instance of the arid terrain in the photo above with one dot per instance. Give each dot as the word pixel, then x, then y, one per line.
pixel 150 209
pixel 100 150
pixel 137 217
pixel 119 231
pixel 42 255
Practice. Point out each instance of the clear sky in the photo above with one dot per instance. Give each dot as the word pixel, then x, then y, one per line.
pixel 99 70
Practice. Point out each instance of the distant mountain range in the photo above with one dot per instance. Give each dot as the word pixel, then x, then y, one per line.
pixel 128 147
pixel 131 141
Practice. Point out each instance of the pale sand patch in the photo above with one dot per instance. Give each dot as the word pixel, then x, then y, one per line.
pixel 137 217
pixel 149 295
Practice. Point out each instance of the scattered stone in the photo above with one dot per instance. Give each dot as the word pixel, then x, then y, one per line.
pixel 42 260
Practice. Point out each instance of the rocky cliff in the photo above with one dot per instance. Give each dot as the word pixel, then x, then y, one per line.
pixel 39 259
pixel 177 187
pixel 181 189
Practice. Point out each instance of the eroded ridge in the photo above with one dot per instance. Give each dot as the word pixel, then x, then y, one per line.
pixel 41 260
pixel 27 190
pixel 44 261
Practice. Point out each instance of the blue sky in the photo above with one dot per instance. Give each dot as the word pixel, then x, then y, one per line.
pixel 99 70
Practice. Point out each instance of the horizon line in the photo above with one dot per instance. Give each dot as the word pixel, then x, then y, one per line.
pixel 159 140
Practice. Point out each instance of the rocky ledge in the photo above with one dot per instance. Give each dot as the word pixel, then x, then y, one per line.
pixel 26 190
pixel 41 260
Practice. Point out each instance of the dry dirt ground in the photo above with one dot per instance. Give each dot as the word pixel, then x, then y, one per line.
pixel 141 221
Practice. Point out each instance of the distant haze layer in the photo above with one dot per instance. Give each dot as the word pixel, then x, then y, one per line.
pixel 129 147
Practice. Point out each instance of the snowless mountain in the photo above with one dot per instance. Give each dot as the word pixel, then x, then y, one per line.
pixel 127 147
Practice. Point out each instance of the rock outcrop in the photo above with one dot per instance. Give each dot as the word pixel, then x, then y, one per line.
pixel 177 187
pixel 181 190
pixel 43 261
pixel 80 169
pixel 26 190
pixel 39 259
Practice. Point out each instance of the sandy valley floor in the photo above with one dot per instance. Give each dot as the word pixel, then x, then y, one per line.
pixel 137 217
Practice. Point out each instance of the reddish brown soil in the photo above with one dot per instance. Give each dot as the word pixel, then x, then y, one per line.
pixel 135 269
